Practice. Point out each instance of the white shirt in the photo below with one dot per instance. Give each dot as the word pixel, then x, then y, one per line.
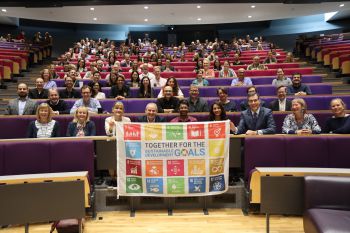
pixel 149 75
pixel 109 131
pixel 21 105
pixel 282 105
pixel 158 83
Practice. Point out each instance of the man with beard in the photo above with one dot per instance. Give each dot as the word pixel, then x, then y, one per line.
pixel 298 88
pixel 58 106
pixel 183 110
pixel 21 105
pixel 168 103
pixel 69 92
pixel 38 92
pixel 196 103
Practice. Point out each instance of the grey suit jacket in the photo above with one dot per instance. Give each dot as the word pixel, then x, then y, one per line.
pixel 265 122
pixel 29 108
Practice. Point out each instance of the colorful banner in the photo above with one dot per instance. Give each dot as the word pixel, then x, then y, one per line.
pixel 173 159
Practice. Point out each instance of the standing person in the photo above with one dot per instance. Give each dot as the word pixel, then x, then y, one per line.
pixel 22 105
pixel 44 126
pixel 81 125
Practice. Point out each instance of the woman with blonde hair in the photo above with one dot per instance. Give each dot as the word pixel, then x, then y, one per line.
pixel 81 125
pixel 118 116
pixel 46 76
pixel 340 121
pixel 300 122
pixel 44 126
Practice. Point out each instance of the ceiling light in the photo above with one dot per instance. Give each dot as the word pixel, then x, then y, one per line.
pixel 252 6
pixel 92 9
pixel 95 19
pixel 145 7
pixel 341 5
pixel 146 20
pixel 198 6
pixel 199 19
pixel 249 16
pixel 3 10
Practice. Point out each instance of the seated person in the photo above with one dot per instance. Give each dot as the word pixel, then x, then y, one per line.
pixel 38 92
pixel 167 67
pixel 46 76
pixel 281 103
pixel 121 90
pixel 281 80
pixel 97 91
pixel 226 71
pixel 135 79
pixel 256 120
pixel 58 106
pixel 241 80
pixel 69 92
pixel 118 116
pixel 229 106
pixel 168 103
pixel 196 103
pixel 207 72
pixel 300 122
pixel 200 81
pixel 171 81
pixel 244 104
pixel 145 91
pixel 151 114
pixel 44 126
pixel 236 60
pixel 218 113
pixel 256 64
pixel 75 77
pixel 157 81
pixel 339 123
pixel 21 105
pixel 92 104
pixel 298 88
pixel 183 113
pixel 81 125
pixel 270 58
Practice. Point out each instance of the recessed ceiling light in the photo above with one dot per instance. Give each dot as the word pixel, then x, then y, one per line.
pixel 92 9
pixel 198 6
pixel 252 6
pixel 95 19
pixel 3 10
pixel 199 19
pixel 249 16
pixel 341 5
pixel 146 20
pixel 145 7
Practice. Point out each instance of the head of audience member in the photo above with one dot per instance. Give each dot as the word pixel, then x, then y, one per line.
pixel 338 107
pixel 281 93
pixel 280 74
pixel 151 111
pixel 199 64
pixel 167 92
pixel 217 64
pixel 254 101
pixel 217 112
pixel 81 63
pixel 99 65
pixel 96 88
pixel 171 81
pixel 206 64
pixel 184 108
pixel 118 111
pixel 127 57
pixel 112 79
pixel 52 69
pixel 39 84
pixel 135 78
pixel 45 75
pixel 251 90
pixel 194 92
pixel 236 57
pixel 144 69
pixel 199 75
pixel 256 60
pixel 22 90
pixel 96 77
pixel 296 79
pixel 222 93
pixel 120 81
pixel 73 74
pixel 54 97
pixel 69 83
pixel 134 65
pixel 269 55
pixel 289 57
pixel 167 63
pixel 156 71
pixel 44 113
pixel 240 74
pixel 93 66
pixel 116 67
pixel 226 65
pixel 81 115
pixel 86 93
pixel 299 108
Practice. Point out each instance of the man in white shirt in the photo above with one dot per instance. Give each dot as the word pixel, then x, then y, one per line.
pixel 21 105
pixel 281 103
pixel 145 72
pixel 157 81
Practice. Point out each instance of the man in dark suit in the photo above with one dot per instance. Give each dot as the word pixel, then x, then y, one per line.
pixel 256 120
pixel 38 92
pixel 151 114
pixel 21 105
pixel 281 103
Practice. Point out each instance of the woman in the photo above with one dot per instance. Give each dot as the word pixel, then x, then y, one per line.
pixel 120 91
pixel 145 90
pixel 300 122
pixel 340 121
pixel 118 115
pixel 135 79
pixel 227 72
pixel 200 81
pixel 46 76
pixel 44 126
pixel 171 81
pixel 112 81
pixel 217 65
pixel 52 69
pixel 199 65
pixel 97 91
pixel 281 80
pixel 81 125
pixel 218 113
pixel 81 65
pixel 207 73
pixel 229 106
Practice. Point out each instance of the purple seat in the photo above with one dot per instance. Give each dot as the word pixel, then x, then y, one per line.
pixel 2 160
pixel 13 127
pixel 257 155
pixel 338 152
pixel 72 156
pixel 306 151
pixel 26 157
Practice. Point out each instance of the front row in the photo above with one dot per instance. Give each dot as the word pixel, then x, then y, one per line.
pixel 256 120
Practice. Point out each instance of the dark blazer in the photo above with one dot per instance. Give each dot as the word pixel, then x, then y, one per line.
pixel 29 108
pixel 64 94
pixel 144 119
pixel 274 105
pixel 125 91
pixel 34 94
pixel 244 104
pixel 33 130
pixel 89 129
pixel 265 122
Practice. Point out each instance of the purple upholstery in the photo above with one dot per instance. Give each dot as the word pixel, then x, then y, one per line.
pixel 306 151
pixel 2 160
pixel 70 156
pixel 338 152
pixel 258 155
pixel 26 157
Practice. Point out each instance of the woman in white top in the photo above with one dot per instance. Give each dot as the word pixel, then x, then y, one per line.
pixel 97 92
pixel 171 81
pixel 118 115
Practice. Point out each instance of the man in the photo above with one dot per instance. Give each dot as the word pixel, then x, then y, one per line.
pixel 281 103
pixel 167 67
pixel 92 104
pixel 298 88
pixel 241 80
pixel 236 60
pixel 196 103
pixel 168 103
pixel 256 64
pixel 281 80
pixel 75 77
pixel 151 114
pixel 38 92
pixel 58 106
pixel 244 104
pixel 157 81
pixel 21 105
pixel 256 120
pixel 69 92
pixel 126 62
pixel 145 72
pixel 183 110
